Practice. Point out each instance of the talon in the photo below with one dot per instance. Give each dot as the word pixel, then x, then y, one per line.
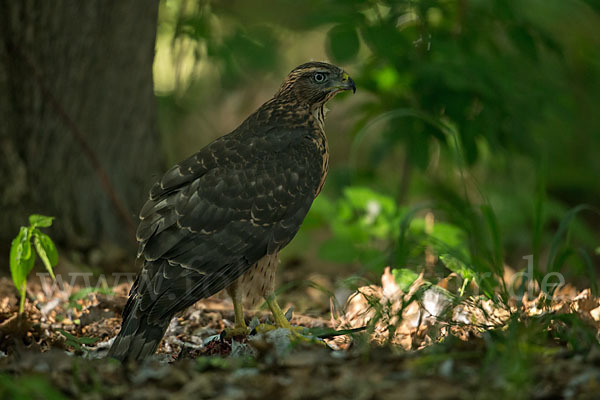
pixel 297 333
pixel 264 328
pixel 281 320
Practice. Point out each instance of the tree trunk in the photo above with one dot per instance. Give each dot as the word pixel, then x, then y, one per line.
pixel 78 136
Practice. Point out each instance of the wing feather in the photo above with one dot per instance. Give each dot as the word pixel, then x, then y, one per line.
pixel 217 213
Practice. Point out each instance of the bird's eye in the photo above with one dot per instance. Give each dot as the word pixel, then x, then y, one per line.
pixel 319 77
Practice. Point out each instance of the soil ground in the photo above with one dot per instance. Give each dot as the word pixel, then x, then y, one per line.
pixel 56 350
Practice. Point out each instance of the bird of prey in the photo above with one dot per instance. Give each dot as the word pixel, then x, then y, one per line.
pixel 219 219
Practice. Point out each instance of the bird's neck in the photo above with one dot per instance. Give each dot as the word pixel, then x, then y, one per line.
pixel 290 112
pixel 318 112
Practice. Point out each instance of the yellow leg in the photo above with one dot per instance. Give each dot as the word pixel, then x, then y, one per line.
pixel 240 328
pixel 296 332
pixel 238 311
pixel 278 315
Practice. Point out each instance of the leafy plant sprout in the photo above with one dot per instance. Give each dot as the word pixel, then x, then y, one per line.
pixel 22 253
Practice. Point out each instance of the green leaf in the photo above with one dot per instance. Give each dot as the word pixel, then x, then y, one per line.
pixel 458 266
pixel 16 250
pixel 76 342
pixel 46 249
pixel 87 340
pixel 68 335
pixel 36 220
pixel 22 258
pixel 404 277
pixel 327 333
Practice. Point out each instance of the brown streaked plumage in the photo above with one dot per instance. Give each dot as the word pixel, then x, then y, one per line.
pixel 219 219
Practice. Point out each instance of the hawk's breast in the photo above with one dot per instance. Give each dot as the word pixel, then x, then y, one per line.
pixel 323 148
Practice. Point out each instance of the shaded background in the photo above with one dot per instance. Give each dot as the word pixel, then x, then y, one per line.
pixel 474 132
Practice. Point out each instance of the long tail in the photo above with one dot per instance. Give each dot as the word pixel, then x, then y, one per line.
pixel 140 335
pixel 159 292
pixel 138 338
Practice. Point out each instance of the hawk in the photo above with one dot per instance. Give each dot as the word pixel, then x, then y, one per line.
pixel 219 219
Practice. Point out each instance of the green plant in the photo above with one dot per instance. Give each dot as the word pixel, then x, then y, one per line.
pixel 77 342
pixel 369 227
pixel 364 223
pixel 22 254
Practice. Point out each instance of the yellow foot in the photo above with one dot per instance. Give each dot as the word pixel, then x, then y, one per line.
pixel 235 332
pixel 298 334
pixel 264 328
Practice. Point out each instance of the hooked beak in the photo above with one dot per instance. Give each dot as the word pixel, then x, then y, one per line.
pixel 348 83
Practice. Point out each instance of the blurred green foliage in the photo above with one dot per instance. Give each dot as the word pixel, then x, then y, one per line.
pixel 481 112
pixel 28 387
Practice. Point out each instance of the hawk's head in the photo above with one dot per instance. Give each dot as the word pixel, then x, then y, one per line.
pixel 314 83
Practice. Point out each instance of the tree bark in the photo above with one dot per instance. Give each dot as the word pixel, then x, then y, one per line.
pixel 78 135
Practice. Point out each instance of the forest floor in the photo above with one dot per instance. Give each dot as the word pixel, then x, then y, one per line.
pixel 419 345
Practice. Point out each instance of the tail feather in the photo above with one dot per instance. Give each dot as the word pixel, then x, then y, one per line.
pixel 138 337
